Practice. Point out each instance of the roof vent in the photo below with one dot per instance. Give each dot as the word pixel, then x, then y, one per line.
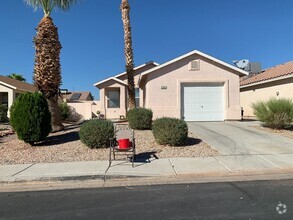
pixel 194 65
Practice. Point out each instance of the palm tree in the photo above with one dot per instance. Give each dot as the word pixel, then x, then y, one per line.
pixel 17 77
pixel 47 69
pixel 128 52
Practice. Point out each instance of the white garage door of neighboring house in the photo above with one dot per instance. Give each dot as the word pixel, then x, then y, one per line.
pixel 202 102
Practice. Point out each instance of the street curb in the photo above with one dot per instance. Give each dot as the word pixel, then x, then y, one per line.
pixel 103 177
pixel 66 178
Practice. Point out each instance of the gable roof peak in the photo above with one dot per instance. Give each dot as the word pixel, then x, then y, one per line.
pixel 197 52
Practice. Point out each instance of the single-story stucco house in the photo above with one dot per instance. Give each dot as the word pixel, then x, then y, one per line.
pixel 275 82
pixel 11 88
pixel 194 87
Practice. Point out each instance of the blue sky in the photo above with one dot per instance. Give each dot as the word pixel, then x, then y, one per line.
pixel 92 36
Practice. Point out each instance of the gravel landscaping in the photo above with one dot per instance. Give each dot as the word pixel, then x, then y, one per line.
pixel 65 146
pixel 283 132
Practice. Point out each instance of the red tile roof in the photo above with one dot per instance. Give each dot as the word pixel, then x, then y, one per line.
pixel 268 74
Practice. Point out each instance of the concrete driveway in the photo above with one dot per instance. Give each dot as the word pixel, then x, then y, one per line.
pixel 238 138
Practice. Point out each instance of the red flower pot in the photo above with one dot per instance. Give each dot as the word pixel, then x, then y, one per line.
pixel 124 144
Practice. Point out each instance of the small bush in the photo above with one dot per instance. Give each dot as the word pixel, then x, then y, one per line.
pixel 3 113
pixel 96 133
pixel 275 113
pixel 65 110
pixel 140 118
pixel 30 117
pixel 170 131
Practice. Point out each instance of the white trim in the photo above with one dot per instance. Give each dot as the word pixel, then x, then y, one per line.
pixel 267 81
pixel 8 85
pixel 242 72
pixel 121 74
pixel 111 78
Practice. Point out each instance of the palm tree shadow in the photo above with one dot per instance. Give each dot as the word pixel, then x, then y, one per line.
pixel 59 139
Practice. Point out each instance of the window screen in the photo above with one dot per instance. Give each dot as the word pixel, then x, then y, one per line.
pixel 114 99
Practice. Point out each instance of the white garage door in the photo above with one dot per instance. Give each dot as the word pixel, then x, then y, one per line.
pixel 202 102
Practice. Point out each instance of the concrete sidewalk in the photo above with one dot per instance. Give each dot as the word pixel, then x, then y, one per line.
pixel 209 166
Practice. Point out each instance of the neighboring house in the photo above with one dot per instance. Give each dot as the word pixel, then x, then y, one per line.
pixel 81 104
pixel 275 82
pixel 77 96
pixel 11 88
pixel 194 87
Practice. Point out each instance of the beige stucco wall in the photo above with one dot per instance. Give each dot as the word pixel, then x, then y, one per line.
pixel 112 84
pixel 112 112
pixel 96 106
pixel 168 102
pixel 264 92
pixel 81 110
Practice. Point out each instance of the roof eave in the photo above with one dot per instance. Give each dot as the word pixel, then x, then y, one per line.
pixel 109 79
pixel 121 74
pixel 240 71
pixel 8 85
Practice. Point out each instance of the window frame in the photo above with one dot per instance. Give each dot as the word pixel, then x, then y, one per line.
pixel 137 97
pixel 111 100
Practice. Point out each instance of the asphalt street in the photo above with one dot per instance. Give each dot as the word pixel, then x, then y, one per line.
pixel 230 200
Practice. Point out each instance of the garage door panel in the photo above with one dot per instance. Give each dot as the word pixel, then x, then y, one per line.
pixel 203 102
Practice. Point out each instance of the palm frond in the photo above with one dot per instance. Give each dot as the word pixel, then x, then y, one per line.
pixel 48 5
pixel 64 4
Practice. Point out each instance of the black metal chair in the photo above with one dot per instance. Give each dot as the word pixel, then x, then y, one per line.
pixel 122 133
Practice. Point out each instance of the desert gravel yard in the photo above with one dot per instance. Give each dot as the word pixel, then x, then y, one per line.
pixel 283 132
pixel 65 146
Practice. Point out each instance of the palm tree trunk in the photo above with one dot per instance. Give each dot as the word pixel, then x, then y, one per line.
pixel 128 51
pixel 47 70
pixel 55 115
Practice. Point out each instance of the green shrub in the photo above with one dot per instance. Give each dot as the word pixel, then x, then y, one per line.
pixel 96 133
pixel 275 113
pixel 30 117
pixel 3 113
pixel 140 118
pixel 65 110
pixel 170 131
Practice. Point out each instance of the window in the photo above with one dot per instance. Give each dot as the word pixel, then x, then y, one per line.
pixel 114 99
pixel 4 98
pixel 136 97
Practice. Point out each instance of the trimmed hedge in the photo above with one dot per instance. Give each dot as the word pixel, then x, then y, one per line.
pixel 30 117
pixel 170 131
pixel 274 113
pixel 96 133
pixel 140 118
